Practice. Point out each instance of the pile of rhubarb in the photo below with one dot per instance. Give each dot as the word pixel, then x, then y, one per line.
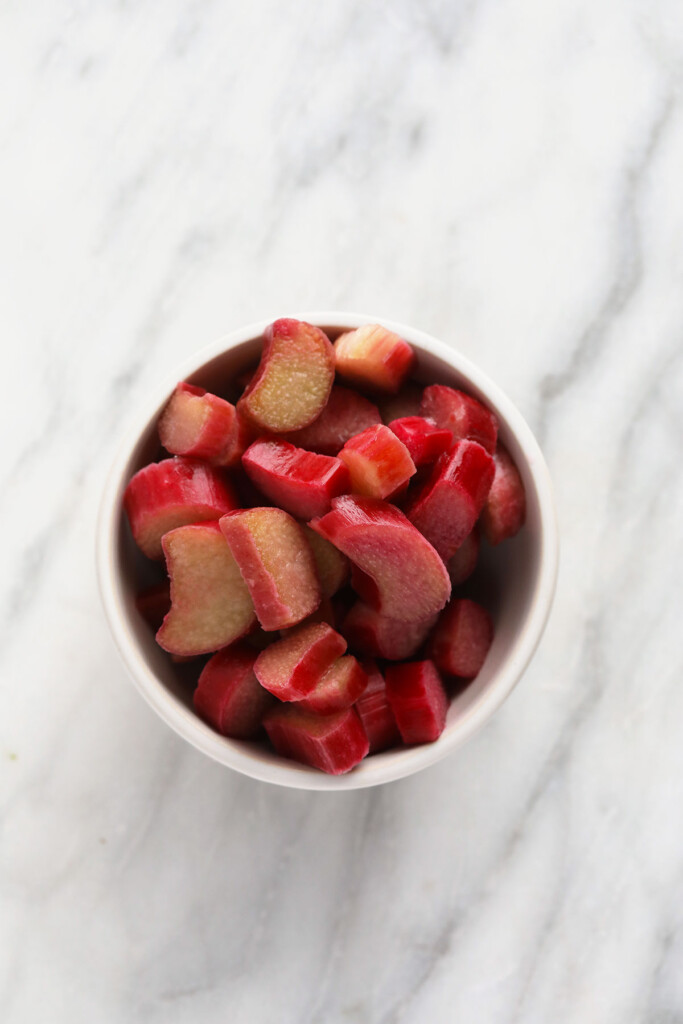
pixel 316 537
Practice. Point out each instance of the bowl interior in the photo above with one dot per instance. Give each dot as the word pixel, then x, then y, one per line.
pixel 506 581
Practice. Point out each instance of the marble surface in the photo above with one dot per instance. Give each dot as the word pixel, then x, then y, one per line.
pixel 506 176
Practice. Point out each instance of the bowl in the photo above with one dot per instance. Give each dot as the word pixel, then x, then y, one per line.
pixel 516 581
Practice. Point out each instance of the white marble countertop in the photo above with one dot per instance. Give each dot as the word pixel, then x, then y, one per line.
pixel 506 176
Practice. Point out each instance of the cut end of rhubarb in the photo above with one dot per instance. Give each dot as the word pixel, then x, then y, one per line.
pixel 229 696
pixel 200 424
pixel 377 461
pixel 374 358
pixel 505 509
pixel 332 743
pixel 339 688
pixel 461 639
pixel 293 666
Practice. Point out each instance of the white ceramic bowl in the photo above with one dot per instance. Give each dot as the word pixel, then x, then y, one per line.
pixel 516 580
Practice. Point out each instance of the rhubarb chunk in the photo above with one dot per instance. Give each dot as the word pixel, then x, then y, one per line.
pixel 505 509
pixel 371 633
pixel 294 378
pixel 377 461
pixel 344 416
pixel 173 493
pixel 276 562
pixel 448 506
pixel 423 439
pixel 229 696
pixel 300 482
pixel 463 415
pixel 202 425
pixel 210 604
pixel 401 573
pixel 333 743
pixel 375 712
pixel 374 358
pixel 292 667
pixel 339 688
pixel 331 566
pixel 461 639
pixel 464 561
pixel 153 603
pixel 418 699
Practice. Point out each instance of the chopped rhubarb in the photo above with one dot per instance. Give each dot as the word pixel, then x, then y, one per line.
pixel 173 493
pixel 229 696
pixel 377 461
pixel 210 604
pixel 333 743
pixel 464 561
pixel 423 439
pixel 448 506
pixel 300 482
pixel 462 414
pixel 375 712
pixel 276 562
pixel 339 688
pixel 153 603
pixel 505 509
pixel 344 416
pixel 202 425
pixel 461 639
pixel 331 566
pixel 293 666
pixel 374 358
pixel 418 699
pixel 402 574
pixel 294 378
pixel 371 633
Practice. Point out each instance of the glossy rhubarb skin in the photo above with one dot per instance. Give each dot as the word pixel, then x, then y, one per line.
pixel 331 566
pixel 378 463
pixel 461 639
pixel 293 666
pixel 294 378
pixel 464 561
pixel 374 358
pixel 199 424
pixel 460 413
pixel 172 493
pixel 423 439
pixel 418 699
pixel 401 573
pixel 229 696
pixel 210 604
pixel 372 634
pixel 302 483
pixel 339 688
pixel 448 506
pixel 332 743
pixel 153 603
pixel 344 416
pixel 505 509
pixel 276 563
pixel 375 712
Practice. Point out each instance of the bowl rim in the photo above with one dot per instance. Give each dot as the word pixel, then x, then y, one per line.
pixel 376 770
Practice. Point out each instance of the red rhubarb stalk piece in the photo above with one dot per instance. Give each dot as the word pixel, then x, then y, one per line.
pixel 418 699
pixel 505 509
pixel 333 743
pixel 371 633
pixel 423 439
pixel 293 666
pixel 202 425
pixel 346 414
pixel 276 562
pixel 339 688
pixel 377 461
pixel 464 561
pixel 375 712
pixel 461 639
pixel 173 493
pixel 229 696
pixel 331 566
pixel 374 358
pixel 460 413
pixel 401 573
pixel 210 604
pixel 300 482
pixel 448 506
pixel 294 378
